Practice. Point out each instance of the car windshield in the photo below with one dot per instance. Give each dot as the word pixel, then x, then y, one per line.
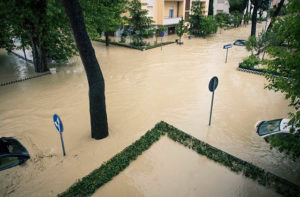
pixel 11 146
pixel 269 127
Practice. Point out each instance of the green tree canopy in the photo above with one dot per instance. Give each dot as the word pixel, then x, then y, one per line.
pixel 41 25
pixel 139 21
pixel 237 5
pixel 103 16
pixel 201 25
pixel 284 49
pixel 180 29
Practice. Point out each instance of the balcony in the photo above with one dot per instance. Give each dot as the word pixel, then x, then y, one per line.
pixel 171 21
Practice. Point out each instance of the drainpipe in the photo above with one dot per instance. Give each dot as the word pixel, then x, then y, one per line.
pixel 177 9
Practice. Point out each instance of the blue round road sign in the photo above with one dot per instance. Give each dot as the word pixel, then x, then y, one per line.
pixel 58 123
pixel 213 84
pixel 161 34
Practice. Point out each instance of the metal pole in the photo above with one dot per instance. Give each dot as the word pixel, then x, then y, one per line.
pixel 211 107
pixel 226 55
pixel 62 143
pixel 161 43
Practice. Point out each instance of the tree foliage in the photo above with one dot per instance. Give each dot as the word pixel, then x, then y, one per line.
pixel 41 25
pixel 284 49
pixel 139 21
pixel 237 5
pixel 103 16
pixel 180 29
pixel 201 25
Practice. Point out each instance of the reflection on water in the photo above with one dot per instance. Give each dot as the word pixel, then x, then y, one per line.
pixel 142 88
pixel 13 68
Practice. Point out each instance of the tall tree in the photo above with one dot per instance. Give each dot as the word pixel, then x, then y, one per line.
pixel 99 127
pixel 276 13
pixel 258 4
pixel 41 25
pixel 254 16
pixel 139 21
pixel 103 16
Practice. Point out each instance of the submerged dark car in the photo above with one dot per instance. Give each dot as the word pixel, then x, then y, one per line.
pixel 12 153
pixel 240 42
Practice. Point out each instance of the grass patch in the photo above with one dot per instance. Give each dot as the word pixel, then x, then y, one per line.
pixel 146 47
pixel 88 185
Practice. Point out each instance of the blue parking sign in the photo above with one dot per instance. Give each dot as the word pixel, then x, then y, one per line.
pixel 58 123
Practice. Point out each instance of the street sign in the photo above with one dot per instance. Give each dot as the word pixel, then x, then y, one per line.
pixel 58 123
pixel 161 34
pixel 213 84
pixel 227 46
pixel 59 126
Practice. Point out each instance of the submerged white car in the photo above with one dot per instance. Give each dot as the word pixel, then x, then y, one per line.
pixel 272 127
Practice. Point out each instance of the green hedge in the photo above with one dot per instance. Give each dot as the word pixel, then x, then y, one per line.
pixel 146 47
pixel 88 185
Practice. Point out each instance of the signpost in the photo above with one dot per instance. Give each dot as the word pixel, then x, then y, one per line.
pixel 59 126
pixel 161 34
pixel 213 84
pixel 227 46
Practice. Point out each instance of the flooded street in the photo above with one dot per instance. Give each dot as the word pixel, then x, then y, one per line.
pixel 143 88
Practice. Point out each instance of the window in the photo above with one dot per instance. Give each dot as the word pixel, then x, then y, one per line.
pixel 221 1
pixel 219 11
pixel 171 13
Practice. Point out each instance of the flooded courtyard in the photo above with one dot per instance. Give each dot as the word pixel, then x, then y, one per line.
pixel 143 88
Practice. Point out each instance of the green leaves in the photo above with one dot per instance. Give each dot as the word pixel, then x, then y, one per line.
pixel 201 25
pixel 103 16
pixel 180 28
pixel 139 21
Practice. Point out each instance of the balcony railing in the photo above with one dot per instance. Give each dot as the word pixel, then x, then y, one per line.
pixel 171 21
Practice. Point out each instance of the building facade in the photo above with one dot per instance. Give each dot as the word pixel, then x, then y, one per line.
pixel 169 12
pixel 221 6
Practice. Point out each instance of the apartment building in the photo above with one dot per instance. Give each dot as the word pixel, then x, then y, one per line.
pixel 169 12
pixel 221 6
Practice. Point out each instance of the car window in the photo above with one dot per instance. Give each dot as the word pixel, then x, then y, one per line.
pixel 269 127
pixel 7 162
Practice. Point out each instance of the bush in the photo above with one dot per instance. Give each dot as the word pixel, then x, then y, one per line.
pixel 205 26
pixel 250 61
pixel 236 18
pixel 223 19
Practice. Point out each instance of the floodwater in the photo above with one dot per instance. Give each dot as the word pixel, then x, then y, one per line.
pixel 169 169
pixel 143 88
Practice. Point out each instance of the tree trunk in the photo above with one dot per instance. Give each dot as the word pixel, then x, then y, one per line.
pixel 99 127
pixel 39 56
pixel 23 48
pixel 211 8
pixel 276 13
pixel 254 18
pixel 106 39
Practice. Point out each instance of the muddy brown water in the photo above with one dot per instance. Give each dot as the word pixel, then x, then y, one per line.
pixel 142 88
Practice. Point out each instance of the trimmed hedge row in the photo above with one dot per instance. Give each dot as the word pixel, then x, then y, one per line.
pixel 257 70
pixel 134 47
pixel 24 79
pixel 88 185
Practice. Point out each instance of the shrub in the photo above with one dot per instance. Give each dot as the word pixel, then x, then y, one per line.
pixel 250 61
